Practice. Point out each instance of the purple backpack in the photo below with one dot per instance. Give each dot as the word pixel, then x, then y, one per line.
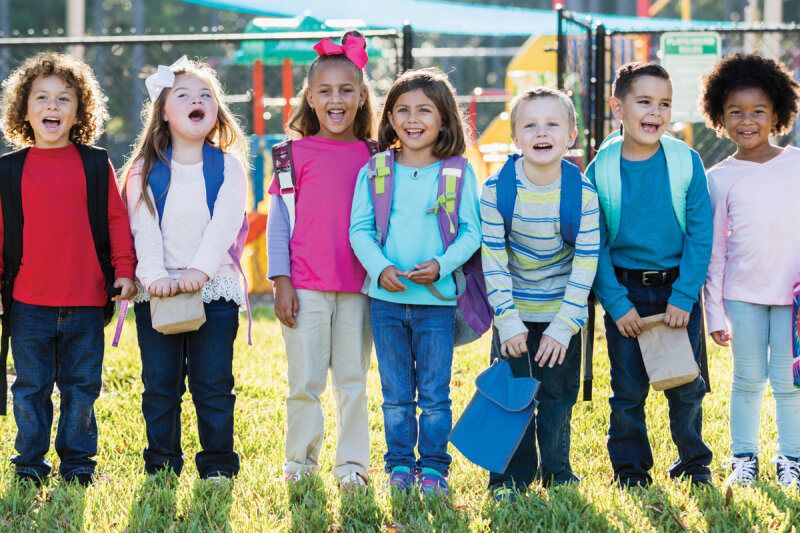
pixel 473 311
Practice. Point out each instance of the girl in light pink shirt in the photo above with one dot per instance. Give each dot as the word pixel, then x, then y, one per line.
pixel 317 277
pixel 755 259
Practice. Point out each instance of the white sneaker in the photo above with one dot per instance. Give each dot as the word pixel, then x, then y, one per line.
pixel 744 470
pixel 351 481
pixel 788 470
pixel 297 476
pixel 218 479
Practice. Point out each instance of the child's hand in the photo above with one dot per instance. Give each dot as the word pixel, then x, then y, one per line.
pixel 192 280
pixel 550 348
pixel 286 305
pixel 722 337
pixel 128 289
pixel 163 287
pixel 423 273
pixel 515 346
pixel 388 279
pixel 675 317
pixel 630 324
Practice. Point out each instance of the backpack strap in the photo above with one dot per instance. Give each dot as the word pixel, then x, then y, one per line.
pixel 214 176
pixel 287 179
pixel 681 170
pixel 372 146
pixel 381 187
pixel 571 203
pixel 11 196
pixel 95 167
pixel 506 191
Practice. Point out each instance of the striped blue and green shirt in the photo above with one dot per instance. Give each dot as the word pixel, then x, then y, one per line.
pixel 535 276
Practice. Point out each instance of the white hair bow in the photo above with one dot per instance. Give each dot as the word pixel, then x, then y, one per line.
pixel 164 77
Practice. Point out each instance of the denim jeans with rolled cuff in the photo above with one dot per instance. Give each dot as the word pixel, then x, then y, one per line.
pixel 414 347
pixel 205 357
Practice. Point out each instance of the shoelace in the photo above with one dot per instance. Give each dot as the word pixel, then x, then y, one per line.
pixel 400 479
pixel 429 485
pixel 744 469
pixel 788 470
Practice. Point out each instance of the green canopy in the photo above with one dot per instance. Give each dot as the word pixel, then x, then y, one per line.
pixel 274 52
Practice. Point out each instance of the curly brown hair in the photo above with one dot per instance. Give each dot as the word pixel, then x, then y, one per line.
pixel 91 113
pixel 152 143
pixel 434 83
pixel 304 120
pixel 746 71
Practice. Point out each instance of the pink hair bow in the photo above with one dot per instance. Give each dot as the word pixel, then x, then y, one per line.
pixel 353 49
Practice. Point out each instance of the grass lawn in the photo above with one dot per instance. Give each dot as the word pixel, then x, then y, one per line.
pixel 124 499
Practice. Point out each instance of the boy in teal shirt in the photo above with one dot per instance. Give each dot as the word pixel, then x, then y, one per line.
pixel 655 246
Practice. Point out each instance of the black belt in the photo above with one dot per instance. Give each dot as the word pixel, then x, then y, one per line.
pixel 647 277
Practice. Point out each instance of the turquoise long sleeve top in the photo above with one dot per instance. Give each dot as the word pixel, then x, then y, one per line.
pixel 413 236
pixel 649 236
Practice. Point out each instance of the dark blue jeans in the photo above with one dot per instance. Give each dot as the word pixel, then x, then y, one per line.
pixel 204 356
pixel 62 346
pixel 557 394
pixel 414 346
pixel 628 445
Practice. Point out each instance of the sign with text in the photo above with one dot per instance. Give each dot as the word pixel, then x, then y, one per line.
pixel 688 57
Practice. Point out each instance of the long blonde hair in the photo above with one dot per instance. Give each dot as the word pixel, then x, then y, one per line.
pixel 152 143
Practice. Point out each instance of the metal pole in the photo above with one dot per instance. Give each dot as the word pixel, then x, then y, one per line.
pixel 76 24
pixel 599 87
pixel 561 49
pixel 407 62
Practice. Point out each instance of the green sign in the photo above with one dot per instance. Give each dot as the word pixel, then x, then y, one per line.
pixel 688 57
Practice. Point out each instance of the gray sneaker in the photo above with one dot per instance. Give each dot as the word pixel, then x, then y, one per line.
pixel 744 469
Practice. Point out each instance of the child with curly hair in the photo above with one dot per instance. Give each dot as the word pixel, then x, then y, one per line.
pixel 755 258
pixel 52 109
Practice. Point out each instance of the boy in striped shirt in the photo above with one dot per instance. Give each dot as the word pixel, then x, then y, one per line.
pixel 539 285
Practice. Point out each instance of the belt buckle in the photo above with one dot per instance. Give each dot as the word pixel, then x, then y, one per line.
pixel 662 276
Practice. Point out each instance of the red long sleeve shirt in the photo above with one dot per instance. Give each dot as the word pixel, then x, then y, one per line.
pixel 59 262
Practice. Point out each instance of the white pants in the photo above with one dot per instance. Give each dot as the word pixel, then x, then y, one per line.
pixel 332 331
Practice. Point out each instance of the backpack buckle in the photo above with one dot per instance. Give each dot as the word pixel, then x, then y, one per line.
pixel 285 182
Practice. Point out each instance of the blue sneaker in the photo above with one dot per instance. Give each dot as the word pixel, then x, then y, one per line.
pixel 431 481
pixel 504 493
pixel 788 470
pixel 400 479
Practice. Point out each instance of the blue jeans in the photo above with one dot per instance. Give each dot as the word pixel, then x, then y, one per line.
pixel 558 392
pixel 414 346
pixel 62 346
pixel 628 444
pixel 762 348
pixel 204 356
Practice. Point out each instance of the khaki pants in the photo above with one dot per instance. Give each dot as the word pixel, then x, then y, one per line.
pixel 332 330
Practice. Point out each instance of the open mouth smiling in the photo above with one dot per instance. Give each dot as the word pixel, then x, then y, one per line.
pixel 197 115
pixel 51 123
pixel 650 127
pixel 542 147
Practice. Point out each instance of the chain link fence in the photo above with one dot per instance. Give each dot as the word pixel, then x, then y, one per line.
pixel 121 64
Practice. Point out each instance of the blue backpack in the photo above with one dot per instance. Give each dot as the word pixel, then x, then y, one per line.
pixel 214 175
pixel 571 197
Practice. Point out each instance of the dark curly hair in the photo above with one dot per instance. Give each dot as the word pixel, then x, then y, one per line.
pixel 434 83
pixel 744 71
pixel 91 113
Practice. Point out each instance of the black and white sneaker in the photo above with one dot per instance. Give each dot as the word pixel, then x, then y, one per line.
pixel 788 470
pixel 744 469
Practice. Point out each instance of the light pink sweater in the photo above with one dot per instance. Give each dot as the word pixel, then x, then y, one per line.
pixel 756 252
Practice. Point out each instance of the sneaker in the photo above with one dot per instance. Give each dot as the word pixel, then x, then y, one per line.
pixel 84 479
pixel 292 478
pixel 744 469
pixel 504 493
pixel 217 479
pixel 24 477
pixel 431 481
pixel 400 479
pixel 352 481
pixel 788 470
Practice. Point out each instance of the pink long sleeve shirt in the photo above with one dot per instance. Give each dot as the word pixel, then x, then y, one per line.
pixel 756 253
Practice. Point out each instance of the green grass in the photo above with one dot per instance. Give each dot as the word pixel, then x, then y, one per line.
pixel 124 499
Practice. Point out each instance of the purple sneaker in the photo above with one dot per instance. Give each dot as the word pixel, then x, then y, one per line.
pixel 400 479
pixel 431 481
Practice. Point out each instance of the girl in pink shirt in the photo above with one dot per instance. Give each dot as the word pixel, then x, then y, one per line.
pixel 318 280
pixel 755 258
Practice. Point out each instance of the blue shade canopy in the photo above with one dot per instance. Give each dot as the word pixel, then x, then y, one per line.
pixel 431 16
